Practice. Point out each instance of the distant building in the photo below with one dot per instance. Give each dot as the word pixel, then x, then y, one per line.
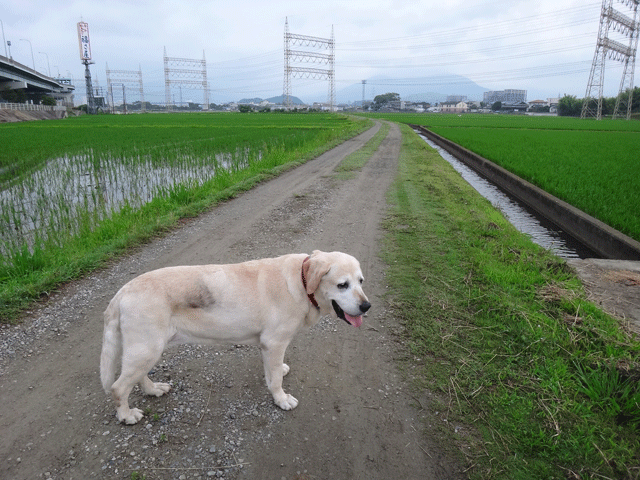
pixel 456 98
pixel 514 106
pixel 508 96
pixel 538 103
pixel 454 107
pixel 65 95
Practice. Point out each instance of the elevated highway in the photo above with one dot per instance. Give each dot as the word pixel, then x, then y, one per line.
pixel 16 76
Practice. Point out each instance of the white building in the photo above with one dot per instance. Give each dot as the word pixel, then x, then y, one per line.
pixel 509 96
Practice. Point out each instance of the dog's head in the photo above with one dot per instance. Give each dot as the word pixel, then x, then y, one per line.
pixel 335 279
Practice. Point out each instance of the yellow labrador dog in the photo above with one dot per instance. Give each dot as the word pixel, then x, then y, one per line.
pixel 261 302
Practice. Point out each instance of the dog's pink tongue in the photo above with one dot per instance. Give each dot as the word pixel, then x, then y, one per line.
pixel 355 321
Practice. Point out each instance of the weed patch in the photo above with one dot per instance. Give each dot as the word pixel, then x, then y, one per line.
pixel 516 351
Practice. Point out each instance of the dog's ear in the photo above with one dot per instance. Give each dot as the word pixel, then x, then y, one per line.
pixel 314 269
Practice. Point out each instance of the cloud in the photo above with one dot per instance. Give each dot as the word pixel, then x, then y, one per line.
pixel 540 46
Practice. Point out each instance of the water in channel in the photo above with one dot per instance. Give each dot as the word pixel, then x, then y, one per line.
pixel 540 230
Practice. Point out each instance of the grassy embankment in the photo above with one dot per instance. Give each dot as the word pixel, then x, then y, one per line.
pixel 544 384
pixel 83 224
pixel 589 164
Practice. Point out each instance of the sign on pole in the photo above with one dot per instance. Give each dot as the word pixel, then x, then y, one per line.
pixel 83 38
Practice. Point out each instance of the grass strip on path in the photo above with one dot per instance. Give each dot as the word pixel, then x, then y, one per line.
pixel 543 383
pixel 358 159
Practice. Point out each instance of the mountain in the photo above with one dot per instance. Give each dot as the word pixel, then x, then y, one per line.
pixel 277 100
pixel 432 89
pixel 250 100
pixel 419 89
pixel 280 99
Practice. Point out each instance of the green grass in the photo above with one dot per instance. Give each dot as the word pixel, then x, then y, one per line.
pixel 360 157
pixel 38 266
pixel 591 165
pixel 27 145
pixel 544 383
pixel 492 121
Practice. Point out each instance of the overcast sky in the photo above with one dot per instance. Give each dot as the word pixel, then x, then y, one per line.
pixel 545 46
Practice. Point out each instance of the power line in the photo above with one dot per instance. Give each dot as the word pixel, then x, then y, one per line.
pixel 481 44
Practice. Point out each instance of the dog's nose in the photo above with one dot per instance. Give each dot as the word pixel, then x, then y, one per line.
pixel 364 306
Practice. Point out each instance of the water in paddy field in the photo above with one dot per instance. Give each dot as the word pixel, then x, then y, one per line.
pixel 68 190
pixel 540 230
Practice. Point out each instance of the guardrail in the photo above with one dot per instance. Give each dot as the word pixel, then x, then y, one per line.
pixel 31 107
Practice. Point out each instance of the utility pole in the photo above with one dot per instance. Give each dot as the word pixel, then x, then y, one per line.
pixel 364 82
pixel 85 57
pixel 33 62
pixel 4 41
pixel 48 65
pixel 89 87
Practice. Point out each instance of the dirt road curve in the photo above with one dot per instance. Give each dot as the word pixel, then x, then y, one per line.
pixel 357 418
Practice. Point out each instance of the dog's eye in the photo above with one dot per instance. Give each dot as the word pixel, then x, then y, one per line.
pixel 361 280
pixel 344 285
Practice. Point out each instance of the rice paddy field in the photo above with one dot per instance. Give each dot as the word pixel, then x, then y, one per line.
pixel 96 184
pixel 593 165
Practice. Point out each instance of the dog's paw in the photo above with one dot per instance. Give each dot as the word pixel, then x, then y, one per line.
pixel 285 369
pixel 131 417
pixel 288 402
pixel 158 389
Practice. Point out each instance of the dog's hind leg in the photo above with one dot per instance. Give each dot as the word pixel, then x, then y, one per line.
pixel 154 388
pixel 137 360
pixel 274 370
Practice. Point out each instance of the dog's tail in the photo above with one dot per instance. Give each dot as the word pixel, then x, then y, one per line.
pixel 111 345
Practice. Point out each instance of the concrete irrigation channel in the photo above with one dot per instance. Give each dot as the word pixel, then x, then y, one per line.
pixel 613 280
pixel 607 242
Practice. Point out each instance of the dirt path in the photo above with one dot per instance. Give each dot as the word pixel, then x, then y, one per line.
pixel 613 285
pixel 357 418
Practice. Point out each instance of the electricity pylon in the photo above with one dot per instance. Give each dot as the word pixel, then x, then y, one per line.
pixel 298 56
pixel 612 20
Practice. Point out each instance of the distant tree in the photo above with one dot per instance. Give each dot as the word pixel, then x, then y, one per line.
pixel 496 106
pixel 9 95
pixel 48 101
pixel 21 95
pixel 244 108
pixel 570 106
pixel 539 108
pixel 635 100
pixel 381 100
pixel 608 105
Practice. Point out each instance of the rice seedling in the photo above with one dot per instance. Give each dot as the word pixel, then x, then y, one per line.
pixel 590 165
pixel 89 185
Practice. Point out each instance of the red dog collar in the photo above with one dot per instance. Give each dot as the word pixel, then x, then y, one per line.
pixel 312 299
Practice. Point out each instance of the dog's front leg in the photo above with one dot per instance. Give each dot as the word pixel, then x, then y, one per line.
pixel 274 370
